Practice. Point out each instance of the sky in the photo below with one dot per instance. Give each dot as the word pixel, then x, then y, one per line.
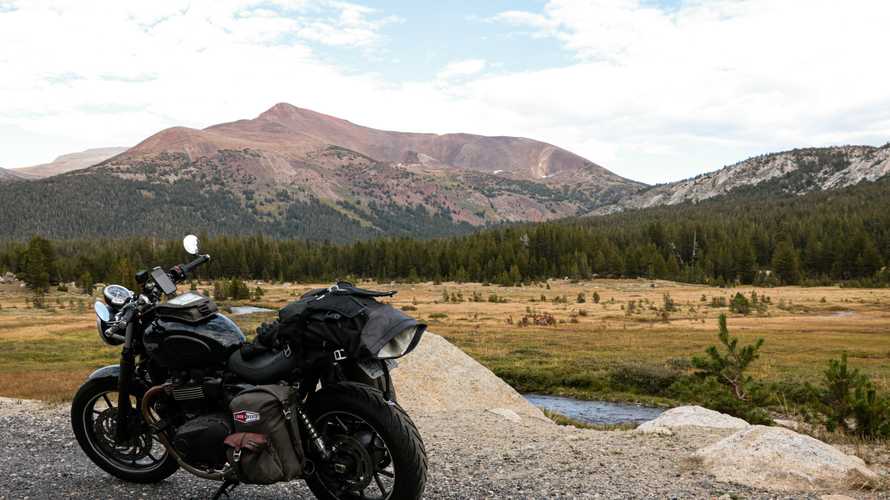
pixel 653 90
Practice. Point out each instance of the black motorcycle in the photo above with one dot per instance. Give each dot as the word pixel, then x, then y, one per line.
pixel 169 403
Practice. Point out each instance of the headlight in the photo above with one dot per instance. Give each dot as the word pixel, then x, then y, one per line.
pixel 402 343
pixel 103 315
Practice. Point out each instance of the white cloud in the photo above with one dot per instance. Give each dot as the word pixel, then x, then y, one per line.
pixel 652 95
pixel 466 67
pixel 709 81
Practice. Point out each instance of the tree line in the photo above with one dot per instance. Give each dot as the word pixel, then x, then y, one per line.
pixel 841 236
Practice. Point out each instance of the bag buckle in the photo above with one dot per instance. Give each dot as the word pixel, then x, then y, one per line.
pixel 236 456
pixel 287 351
pixel 339 355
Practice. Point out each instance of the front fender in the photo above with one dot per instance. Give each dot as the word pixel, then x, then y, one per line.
pixel 110 371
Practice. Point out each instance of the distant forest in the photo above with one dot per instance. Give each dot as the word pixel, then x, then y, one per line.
pixel 821 238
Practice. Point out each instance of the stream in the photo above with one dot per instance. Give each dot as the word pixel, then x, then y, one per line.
pixel 594 412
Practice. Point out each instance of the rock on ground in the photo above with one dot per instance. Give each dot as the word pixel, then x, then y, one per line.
pixel 690 416
pixel 781 459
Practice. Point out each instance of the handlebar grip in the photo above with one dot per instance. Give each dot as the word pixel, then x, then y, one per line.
pixel 187 268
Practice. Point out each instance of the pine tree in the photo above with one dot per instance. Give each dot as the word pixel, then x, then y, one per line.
pixel 786 263
pixel 729 367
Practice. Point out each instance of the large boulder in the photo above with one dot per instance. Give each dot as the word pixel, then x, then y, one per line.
pixel 776 458
pixel 438 377
pixel 690 416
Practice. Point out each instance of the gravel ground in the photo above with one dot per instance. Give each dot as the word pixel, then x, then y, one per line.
pixel 472 455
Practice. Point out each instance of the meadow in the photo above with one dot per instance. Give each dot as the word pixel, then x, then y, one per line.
pixel 599 339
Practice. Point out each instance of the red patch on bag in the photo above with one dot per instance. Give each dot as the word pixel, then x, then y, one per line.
pixel 246 417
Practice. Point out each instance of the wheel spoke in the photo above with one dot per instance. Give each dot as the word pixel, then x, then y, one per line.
pixel 344 426
pixel 386 473
pixel 379 483
pixel 107 401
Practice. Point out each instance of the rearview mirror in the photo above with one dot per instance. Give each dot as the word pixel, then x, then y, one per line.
pixel 102 311
pixel 190 243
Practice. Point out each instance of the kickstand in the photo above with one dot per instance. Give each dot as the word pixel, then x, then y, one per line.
pixel 227 486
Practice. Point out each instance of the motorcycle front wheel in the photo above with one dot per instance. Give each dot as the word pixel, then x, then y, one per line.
pixel 376 450
pixel 142 459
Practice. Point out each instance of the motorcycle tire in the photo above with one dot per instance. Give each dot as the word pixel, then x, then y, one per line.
pixel 405 452
pixel 82 411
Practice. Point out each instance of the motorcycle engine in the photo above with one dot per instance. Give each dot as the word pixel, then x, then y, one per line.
pixel 200 440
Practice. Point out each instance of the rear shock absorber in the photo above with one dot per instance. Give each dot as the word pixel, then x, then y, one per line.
pixel 314 437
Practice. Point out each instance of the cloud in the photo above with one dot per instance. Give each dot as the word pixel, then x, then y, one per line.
pixel 738 77
pixel 466 67
pixel 652 94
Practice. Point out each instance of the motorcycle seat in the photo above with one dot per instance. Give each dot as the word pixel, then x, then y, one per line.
pixel 265 367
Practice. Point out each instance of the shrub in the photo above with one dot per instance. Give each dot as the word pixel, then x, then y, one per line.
pixel 850 395
pixel 438 315
pixel 595 297
pixel 582 298
pixel 409 308
pixel 537 319
pixel 668 303
pixel 740 304
pixel 653 380
pixel 729 367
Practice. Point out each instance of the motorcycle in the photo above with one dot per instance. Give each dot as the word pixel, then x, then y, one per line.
pixel 168 404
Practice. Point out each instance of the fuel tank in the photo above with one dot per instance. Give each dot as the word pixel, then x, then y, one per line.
pixel 181 345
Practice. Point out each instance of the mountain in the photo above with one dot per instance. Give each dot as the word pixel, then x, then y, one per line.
pixel 295 173
pixel 289 168
pixel 292 172
pixel 7 175
pixel 69 162
pixel 794 172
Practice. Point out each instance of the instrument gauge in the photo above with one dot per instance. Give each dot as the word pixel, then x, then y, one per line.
pixel 117 295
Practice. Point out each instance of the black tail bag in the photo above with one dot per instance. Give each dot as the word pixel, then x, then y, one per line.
pixel 345 318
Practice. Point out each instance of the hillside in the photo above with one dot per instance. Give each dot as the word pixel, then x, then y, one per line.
pixel 795 172
pixel 69 162
pixel 7 175
pixel 296 173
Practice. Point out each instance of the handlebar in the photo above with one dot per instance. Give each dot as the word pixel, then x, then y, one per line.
pixel 187 268
pixel 180 272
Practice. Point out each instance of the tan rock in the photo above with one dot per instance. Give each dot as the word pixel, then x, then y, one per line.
pixel 438 377
pixel 780 459
pixel 690 416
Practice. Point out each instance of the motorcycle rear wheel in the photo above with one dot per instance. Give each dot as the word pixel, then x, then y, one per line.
pixel 377 452
pixel 142 460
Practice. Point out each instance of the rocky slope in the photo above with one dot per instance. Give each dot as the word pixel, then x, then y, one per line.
pixel 69 162
pixel 297 173
pixel 467 178
pixel 796 172
pixel 7 175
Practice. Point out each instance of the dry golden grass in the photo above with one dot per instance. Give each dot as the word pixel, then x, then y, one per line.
pixel 814 325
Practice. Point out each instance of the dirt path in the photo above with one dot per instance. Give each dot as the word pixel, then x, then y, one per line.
pixel 473 454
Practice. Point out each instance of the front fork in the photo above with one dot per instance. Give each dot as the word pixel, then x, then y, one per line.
pixel 125 379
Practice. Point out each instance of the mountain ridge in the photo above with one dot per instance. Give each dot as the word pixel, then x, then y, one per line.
pixel 293 172
pixel 69 162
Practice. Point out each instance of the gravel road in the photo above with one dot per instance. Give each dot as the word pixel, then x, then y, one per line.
pixel 474 454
